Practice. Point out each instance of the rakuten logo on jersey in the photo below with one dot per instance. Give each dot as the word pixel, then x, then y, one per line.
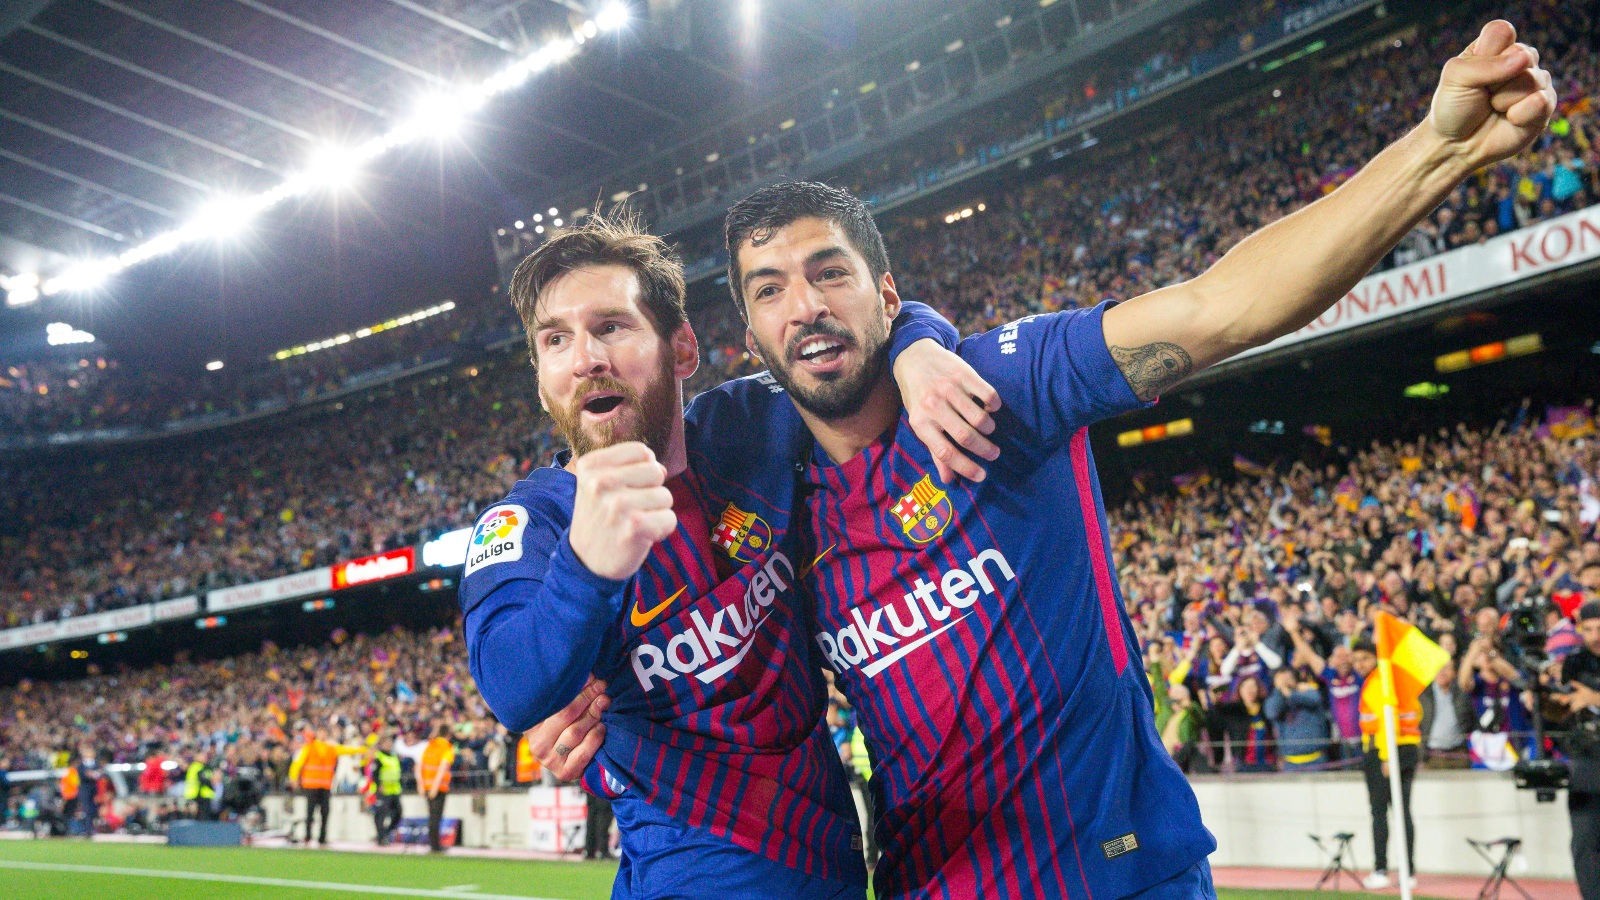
pixel 867 645
pixel 711 649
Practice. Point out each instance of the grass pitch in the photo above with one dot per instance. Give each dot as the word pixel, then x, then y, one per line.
pixel 157 872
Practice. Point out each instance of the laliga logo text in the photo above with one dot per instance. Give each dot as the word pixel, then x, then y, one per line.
pixel 695 650
pixel 958 588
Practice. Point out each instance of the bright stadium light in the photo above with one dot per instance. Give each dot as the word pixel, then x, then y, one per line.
pixel 518 224
pixel 332 167
pixel 21 289
pixel 58 333
pixel 438 116
pixel 612 16
pixel 214 365
pixel 223 217
pixel 554 211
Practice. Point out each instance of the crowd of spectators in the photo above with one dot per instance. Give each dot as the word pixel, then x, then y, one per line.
pixel 109 530
pixel 1248 593
pixel 245 716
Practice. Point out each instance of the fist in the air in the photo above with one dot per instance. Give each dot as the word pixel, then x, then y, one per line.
pixel 621 510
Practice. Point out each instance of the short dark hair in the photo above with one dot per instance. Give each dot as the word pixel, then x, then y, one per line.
pixel 1364 646
pixel 613 239
pixel 757 216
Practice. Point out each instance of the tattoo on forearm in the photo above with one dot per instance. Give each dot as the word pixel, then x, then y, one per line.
pixel 1153 368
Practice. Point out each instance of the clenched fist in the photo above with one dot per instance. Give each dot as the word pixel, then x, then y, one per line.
pixel 1494 99
pixel 621 510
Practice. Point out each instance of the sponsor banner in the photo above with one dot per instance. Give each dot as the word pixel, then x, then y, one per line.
pixel 99 623
pixel 377 567
pixel 1507 259
pixel 271 591
pixel 175 609
pixel 1316 13
pixel 43 633
pixel 448 549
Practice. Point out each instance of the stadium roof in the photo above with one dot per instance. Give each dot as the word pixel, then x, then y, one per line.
pixel 121 120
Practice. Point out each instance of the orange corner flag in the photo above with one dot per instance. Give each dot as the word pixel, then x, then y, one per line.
pixel 1412 659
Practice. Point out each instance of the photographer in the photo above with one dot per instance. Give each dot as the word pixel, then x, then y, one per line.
pixel 1580 671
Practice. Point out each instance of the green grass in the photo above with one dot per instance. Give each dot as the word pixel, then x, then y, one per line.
pixel 557 880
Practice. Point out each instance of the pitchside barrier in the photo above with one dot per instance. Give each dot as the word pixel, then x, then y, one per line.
pixel 1259 820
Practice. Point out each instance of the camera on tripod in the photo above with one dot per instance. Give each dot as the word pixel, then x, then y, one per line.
pixel 1525 650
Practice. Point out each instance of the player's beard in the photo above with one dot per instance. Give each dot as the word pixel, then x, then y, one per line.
pixel 840 394
pixel 652 419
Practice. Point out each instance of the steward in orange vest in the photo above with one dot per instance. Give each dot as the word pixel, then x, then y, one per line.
pixel 71 781
pixel 313 764
pixel 312 769
pixel 433 780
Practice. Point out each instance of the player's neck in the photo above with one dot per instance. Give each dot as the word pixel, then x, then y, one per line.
pixel 845 437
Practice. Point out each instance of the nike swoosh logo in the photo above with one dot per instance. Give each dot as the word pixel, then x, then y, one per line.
pixel 806 570
pixel 641 619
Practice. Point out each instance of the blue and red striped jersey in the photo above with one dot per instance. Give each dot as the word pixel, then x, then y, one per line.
pixel 717 691
pixel 979 631
pixel 717 695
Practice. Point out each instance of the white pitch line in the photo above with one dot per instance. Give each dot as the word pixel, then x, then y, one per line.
pixel 252 879
pixel 459 887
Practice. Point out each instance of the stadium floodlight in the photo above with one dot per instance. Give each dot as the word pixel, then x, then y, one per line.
pixel 84 276
pixel 1002 22
pixel 556 222
pixel 538 229
pixel 59 333
pixel 517 225
pixel 332 167
pixel 439 116
pixel 21 289
pixel 223 217
pixel 554 211
pixel 214 365
pixel 538 217
pixel 612 16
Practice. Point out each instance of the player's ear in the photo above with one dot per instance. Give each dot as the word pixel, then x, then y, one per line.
pixel 891 297
pixel 751 345
pixel 685 352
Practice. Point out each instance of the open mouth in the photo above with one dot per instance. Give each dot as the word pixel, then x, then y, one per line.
pixel 820 350
pixel 600 404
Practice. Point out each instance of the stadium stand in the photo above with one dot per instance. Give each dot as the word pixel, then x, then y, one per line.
pixel 1230 577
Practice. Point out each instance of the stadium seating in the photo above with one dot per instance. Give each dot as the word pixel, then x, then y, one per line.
pixel 397 465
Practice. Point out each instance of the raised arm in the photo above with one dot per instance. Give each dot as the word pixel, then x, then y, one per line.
pixel 1492 102
pixel 535 622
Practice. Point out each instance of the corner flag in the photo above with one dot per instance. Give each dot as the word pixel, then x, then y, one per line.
pixel 1407 664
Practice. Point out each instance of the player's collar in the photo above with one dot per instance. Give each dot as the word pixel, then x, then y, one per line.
pixel 820 469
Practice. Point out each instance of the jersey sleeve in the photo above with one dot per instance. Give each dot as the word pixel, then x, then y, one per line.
pixel 917 321
pixel 1054 372
pixel 535 616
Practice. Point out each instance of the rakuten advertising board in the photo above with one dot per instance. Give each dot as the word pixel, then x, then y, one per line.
pixel 377 567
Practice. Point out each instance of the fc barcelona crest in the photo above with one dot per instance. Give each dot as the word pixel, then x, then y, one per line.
pixel 744 535
pixel 925 512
